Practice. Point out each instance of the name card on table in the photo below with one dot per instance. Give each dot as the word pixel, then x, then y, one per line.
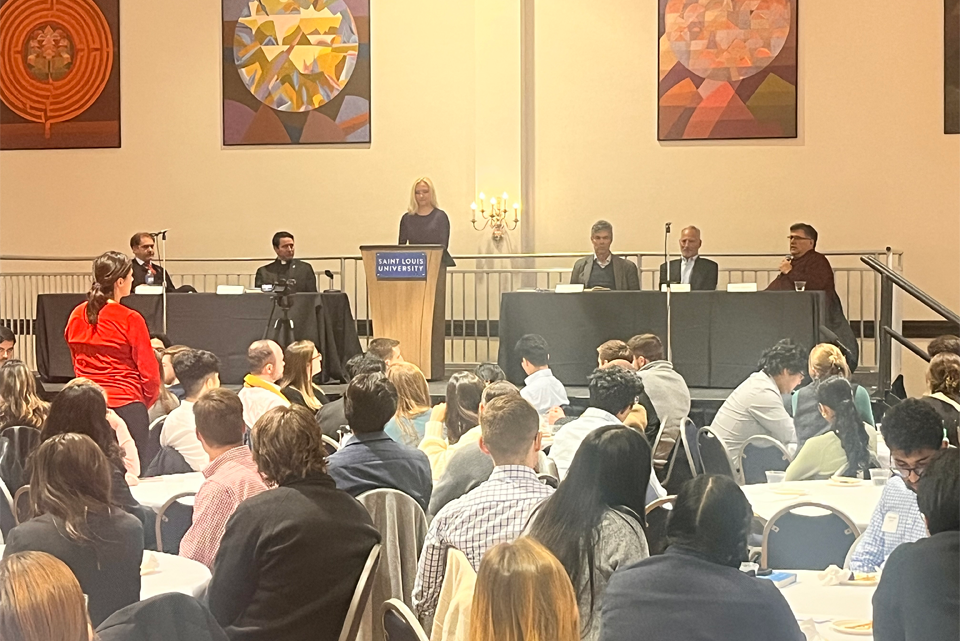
pixel 401 265
pixel 675 287
pixel 565 288
pixel 742 287
pixel 148 290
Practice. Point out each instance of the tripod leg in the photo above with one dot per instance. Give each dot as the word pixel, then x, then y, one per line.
pixel 269 325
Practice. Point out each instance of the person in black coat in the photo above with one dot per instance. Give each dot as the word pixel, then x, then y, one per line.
pixel 77 523
pixel 332 417
pixel 290 558
pixel 700 273
pixel 286 268
pixel 144 249
pixel 165 617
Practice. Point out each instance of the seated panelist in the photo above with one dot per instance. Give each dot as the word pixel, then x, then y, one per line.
pixel 144 249
pixel 603 269
pixel 286 268
pixel 691 269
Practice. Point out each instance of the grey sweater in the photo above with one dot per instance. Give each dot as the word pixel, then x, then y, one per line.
pixel 671 399
pixel 469 467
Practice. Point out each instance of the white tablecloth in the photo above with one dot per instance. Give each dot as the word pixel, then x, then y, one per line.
pixel 856 501
pixel 810 600
pixel 154 492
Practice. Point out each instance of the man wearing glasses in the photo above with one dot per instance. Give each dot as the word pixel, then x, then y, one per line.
pixel 914 433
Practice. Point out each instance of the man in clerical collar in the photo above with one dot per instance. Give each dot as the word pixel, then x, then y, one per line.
pixel 691 268
pixel 604 270
pixel 145 272
pixel 297 273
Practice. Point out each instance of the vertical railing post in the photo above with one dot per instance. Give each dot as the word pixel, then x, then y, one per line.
pixel 885 356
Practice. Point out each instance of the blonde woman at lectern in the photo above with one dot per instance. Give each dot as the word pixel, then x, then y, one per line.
pixel 425 223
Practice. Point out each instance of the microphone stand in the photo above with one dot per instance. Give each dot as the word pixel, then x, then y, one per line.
pixel 666 262
pixel 163 268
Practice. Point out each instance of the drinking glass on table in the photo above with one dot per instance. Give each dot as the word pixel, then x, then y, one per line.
pixel 774 476
pixel 880 476
pixel 800 285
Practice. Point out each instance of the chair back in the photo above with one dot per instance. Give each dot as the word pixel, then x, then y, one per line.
pixel 173 520
pixel 549 479
pixel 688 435
pixel 451 620
pixel 17 443
pixel 682 467
pixel 331 444
pixel 713 455
pixel 21 507
pixel 656 514
pixel 361 596
pixel 7 519
pixel 400 623
pixel 760 454
pixel 793 541
pixel 853 548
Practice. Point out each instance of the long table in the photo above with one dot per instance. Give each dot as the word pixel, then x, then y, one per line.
pixel 717 337
pixel 224 325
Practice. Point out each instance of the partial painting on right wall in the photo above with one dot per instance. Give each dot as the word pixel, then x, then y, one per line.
pixel 951 66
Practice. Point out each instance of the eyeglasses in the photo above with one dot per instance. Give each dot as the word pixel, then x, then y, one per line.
pixel 905 472
pixel 794 237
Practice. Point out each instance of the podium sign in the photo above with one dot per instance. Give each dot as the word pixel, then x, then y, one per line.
pixel 401 265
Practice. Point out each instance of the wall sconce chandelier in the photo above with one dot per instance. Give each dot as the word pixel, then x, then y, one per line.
pixel 496 216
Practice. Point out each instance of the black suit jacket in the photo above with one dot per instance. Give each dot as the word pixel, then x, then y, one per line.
pixel 330 417
pixel 140 275
pixel 297 269
pixel 702 278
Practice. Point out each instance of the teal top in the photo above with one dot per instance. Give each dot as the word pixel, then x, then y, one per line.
pixel 861 400
pixel 394 431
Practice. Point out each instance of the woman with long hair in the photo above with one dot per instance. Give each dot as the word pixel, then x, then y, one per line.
pixel 75 520
pixel 847 448
pixel 301 362
pixel 131 459
pixel 523 594
pixel 41 600
pixel 413 404
pixel 425 223
pixel 594 522
pixel 19 402
pixel 110 345
pixel 943 383
pixel 462 407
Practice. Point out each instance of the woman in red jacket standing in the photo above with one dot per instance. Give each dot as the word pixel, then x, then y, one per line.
pixel 110 345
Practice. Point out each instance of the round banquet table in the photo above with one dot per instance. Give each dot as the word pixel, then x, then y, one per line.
pixel 856 501
pixel 810 600
pixel 153 492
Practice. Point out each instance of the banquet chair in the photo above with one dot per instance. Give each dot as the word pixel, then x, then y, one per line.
pixel 329 443
pixel 400 623
pixel 713 454
pixel 656 515
pixel 682 469
pixel 549 479
pixel 451 620
pixel 793 541
pixel 21 510
pixel 853 548
pixel 17 443
pixel 173 520
pixel 760 454
pixel 361 596
pixel 7 520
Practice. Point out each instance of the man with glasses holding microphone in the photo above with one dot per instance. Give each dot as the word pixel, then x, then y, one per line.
pixel 914 433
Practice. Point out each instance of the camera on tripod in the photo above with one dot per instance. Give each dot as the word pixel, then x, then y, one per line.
pixel 280 291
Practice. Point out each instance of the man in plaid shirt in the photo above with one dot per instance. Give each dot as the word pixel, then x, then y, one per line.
pixel 497 510
pixel 231 477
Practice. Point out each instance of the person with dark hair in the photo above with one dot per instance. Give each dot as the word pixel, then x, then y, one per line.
pixel 943 383
pixel 76 520
pixel 450 420
pixel 919 592
pixel 850 446
pixel 332 417
pixel 489 373
pixel 594 522
pixel 946 343
pixel 110 345
pixel 691 268
pixel 541 388
pixel 914 433
pixel 199 372
pixel 144 249
pixel 7 342
pixel 290 558
pixel 603 269
pixel 494 512
pixel 297 274
pixel 386 349
pixel 695 590
pixel 756 406
pixel 260 391
pixel 665 395
pixel 230 478
pixel 370 459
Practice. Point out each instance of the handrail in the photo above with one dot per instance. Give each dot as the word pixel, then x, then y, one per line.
pixel 910 288
pixel 906 342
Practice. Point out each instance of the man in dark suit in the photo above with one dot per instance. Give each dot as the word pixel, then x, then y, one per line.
pixel 603 269
pixel 691 269
pixel 144 249
pixel 286 267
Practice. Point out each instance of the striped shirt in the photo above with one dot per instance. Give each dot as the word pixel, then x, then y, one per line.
pixel 895 520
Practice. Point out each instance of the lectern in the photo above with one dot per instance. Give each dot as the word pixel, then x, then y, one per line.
pixel 407 285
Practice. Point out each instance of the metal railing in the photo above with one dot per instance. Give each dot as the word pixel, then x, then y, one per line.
pixel 474 288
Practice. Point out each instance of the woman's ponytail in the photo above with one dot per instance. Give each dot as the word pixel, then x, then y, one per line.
pixel 108 268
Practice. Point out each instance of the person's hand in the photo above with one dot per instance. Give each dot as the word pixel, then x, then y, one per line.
pixel 786 266
pixel 554 414
pixel 439 412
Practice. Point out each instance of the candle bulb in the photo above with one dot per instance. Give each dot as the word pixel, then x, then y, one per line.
pixel 505 197
pixel 482 197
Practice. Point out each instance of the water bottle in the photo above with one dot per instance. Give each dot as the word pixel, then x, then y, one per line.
pixel 149 278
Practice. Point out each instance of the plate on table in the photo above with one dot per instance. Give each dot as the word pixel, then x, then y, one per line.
pixel 789 491
pixel 844 481
pixel 859 627
pixel 863 579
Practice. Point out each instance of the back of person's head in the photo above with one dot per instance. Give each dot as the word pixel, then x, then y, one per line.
pixel 464 390
pixel 943 374
pixel 194 368
pixel 489 373
pixel 509 426
pixel 108 268
pixel 19 403
pixel 912 426
pixel 219 418
pixel 413 393
pixel 41 600
pixel 383 348
pixel 827 360
pixel 938 492
pixel 287 445
pixel 364 364
pixel 614 350
pixel 712 517
pixel 81 409
pixel 279 236
pixel 785 355
pixel 836 393
pixel 523 594
pixel 69 478
pixel 259 355
pixel 498 389
pixel 534 349
pixel 369 403
pixel 945 343
pixel 163 338
pixel 808 231
pixel 646 346
pixel 613 389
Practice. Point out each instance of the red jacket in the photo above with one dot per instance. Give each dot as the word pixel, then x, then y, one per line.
pixel 115 353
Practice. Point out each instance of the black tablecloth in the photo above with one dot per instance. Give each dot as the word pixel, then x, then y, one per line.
pixel 717 336
pixel 224 325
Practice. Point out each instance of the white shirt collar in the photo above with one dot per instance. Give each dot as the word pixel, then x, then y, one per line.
pixel 139 261
pixel 690 260
pixel 597 414
pixel 603 263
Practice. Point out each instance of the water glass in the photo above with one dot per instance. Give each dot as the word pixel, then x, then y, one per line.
pixel 880 476
pixel 800 285
pixel 774 476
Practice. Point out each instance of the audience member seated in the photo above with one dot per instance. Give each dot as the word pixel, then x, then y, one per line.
pixel 331 417
pixel 637 418
pixel 943 382
pixel 847 449
pixel 613 350
pixel 756 406
pixel 298 274
pixel 41 600
pixel 131 457
pixel 166 402
pixel 77 522
pixel 541 388
pixel 19 402
pixel 918 597
pixel 301 362
pixel 467 465
pixel 825 360
pixel 489 373
pixel 695 590
pixel 946 343
pixel 691 268
pixel 370 459
pixel 230 478
pixel 523 594
pixel 160 341
pixel 603 269
pixel 168 373
pixel 260 392
pixel 199 372
pixel 498 509
pixel 413 404
pixel 594 522
pixel 914 433
pixel 290 558
pixel 386 349
pixel 665 395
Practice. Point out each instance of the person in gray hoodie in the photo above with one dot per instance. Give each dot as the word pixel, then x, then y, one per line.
pixel 665 394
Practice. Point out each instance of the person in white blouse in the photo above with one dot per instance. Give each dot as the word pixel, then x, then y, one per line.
pixel 199 372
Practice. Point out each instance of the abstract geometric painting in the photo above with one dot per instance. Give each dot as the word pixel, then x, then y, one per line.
pixel 296 72
pixel 951 66
pixel 728 69
pixel 59 74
